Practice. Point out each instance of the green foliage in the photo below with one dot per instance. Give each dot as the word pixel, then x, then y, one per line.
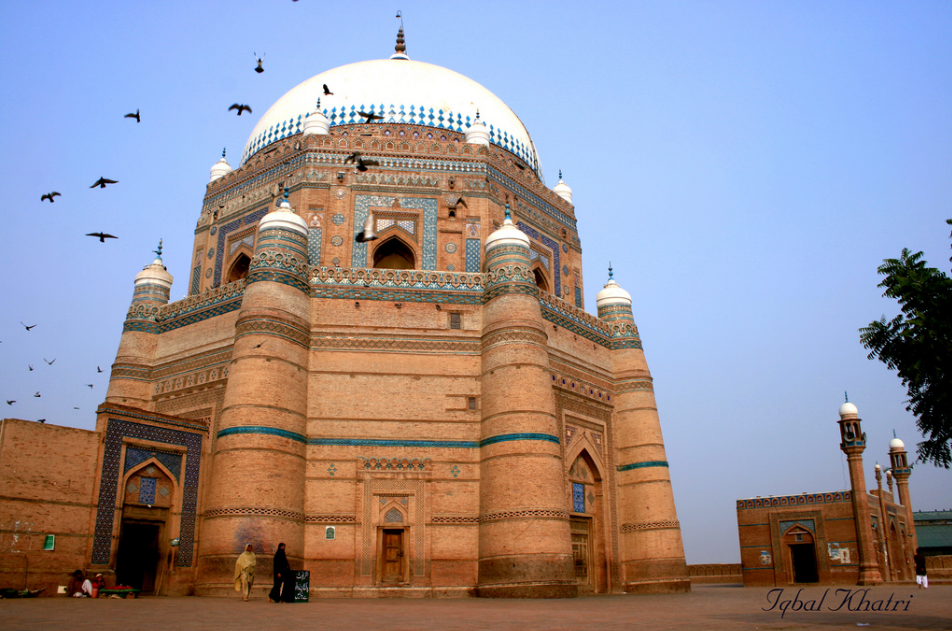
pixel 918 345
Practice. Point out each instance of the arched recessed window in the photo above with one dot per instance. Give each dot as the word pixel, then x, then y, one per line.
pixel 394 254
pixel 540 280
pixel 239 269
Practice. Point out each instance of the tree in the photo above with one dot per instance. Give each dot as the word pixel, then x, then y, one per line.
pixel 918 345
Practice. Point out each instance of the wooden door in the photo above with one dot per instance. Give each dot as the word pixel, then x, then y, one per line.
pixel 393 556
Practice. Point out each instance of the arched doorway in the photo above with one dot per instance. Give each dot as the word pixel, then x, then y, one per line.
pixel 587 524
pixel 540 279
pixel 238 269
pixel 148 496
pixel 394 254
pixel 801 551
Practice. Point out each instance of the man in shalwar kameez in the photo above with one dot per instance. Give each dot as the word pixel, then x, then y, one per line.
pixel 245 572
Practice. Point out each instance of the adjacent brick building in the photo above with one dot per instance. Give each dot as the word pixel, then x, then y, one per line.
pixel 428 412
pixel 819 538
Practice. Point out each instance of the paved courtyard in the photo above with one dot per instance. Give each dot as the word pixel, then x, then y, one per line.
pixel 707 607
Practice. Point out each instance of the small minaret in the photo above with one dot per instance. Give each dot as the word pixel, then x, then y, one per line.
pixel 650 544
pixel 220 168
pixel 525 545
pixel 853 443
pixel 260 439
pixel 901 471
pixel 316 124
pixel 477 133
pixel 129 383
pixel 562 189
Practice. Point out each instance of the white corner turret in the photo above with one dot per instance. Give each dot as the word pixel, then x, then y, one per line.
pixel 155 273
pixel 562 189
pixel 612 294
pixel 316 123
pixel 896 445
pixel 507 234
pixel 848 410
pixel 220 168
pixel 477 133
pixel 284 217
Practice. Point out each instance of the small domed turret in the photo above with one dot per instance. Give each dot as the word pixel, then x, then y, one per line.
pixel 284 217
pixel 562 189
pixel 507 234
pixel 612 294
pixel 220 168
pixel 896 445
pixel 848 410
pixel 316 123
pixel 477 133
pixel 155 273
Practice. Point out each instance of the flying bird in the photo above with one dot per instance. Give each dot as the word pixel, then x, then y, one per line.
pixel 50 196
pixel 101 183
pixel 41 420
pixel 75 408
pixel 240 107
pixel 37 395
pixel 89 385
pixel 327 91
pixel 9 402
pixel 260 59
pixel 98 369
pixel 31 367
pixel 135 116
pixel 102 236
pixel 370 117
pixel 48 361
pixel 361 163
pixel 28 327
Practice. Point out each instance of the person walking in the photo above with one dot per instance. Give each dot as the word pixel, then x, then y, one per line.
pixel 922 579
pixel 282 576
pixel 245 572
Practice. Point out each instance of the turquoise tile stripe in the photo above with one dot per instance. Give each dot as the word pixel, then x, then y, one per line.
pixel 257 429
pixel 375 442
pixel 642 465
pixel 502 438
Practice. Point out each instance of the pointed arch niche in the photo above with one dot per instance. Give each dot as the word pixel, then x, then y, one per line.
pixel 589 512
pixel 394 253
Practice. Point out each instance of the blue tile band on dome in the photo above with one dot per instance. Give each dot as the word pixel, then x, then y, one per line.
pixel 502 438
pixel 259 429
pixel 643 465
pixel 375 442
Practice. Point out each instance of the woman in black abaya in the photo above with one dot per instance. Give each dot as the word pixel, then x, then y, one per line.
pixel 282 576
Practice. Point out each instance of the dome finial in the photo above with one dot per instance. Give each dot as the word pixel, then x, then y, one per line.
pixel 401 48
pixel 158 252
pixel 847 395
pixel 223 151
pixel 318 108
pixel 560 175
pixel 611 273
pixel 508 214
pixel 287 191
pixel 894 434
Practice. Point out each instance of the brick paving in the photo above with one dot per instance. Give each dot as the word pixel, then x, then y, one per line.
pixel 707 607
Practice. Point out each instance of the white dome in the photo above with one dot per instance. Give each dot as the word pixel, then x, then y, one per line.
pixel 220 168
pixel 155 274
pixel 283 217
pixel 316 123
pixel 562 190
pixel 848 409
pixel 612 294
pixel 402 91
pixel 507 234
pixel 896 445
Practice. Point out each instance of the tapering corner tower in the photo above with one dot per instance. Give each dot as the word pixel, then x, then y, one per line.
pixel 651 550
pixel 256 491
pixel 521 479
pixel 853 444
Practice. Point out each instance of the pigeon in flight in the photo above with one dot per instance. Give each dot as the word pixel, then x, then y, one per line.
pixel 101 183
pixel 11 402
pixel 49 361
pixel 50 196
pixel 135 116
pixel 361 163
pixel 371 117
pixel 37 395
pixel 89 385
pixel 260 67
pixel 28 327
pixel 98 369
pixel 327 91
pixel 102 236
pixel 240 107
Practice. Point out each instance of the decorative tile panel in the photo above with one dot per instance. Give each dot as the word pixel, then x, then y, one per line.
pixel 474 252
pixel 362 205
pixel 147 490
pixel 578 497
pixel 247 220
pixel 136 456
pixel 314 246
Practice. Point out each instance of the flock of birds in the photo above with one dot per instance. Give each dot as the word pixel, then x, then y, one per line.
pixel 49 363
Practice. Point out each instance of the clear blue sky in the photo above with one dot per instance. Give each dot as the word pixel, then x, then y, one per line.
pixel 745 166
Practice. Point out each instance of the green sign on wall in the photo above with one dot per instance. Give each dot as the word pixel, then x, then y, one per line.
pixel 50 542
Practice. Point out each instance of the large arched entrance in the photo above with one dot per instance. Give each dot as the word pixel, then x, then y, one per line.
pixel 801 551
pixel 238 269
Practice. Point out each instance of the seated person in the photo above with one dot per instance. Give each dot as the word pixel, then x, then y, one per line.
pixel 79 586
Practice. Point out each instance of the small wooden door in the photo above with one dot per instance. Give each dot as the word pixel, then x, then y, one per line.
pixel 393 568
